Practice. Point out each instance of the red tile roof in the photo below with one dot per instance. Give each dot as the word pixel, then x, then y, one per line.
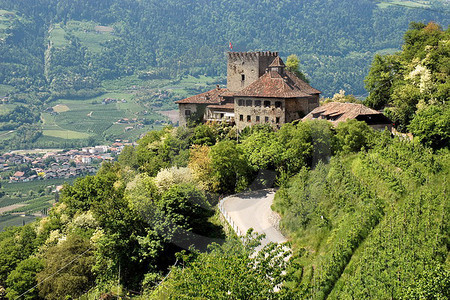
pixel 340 112
pixel 273 85
pixel 209 97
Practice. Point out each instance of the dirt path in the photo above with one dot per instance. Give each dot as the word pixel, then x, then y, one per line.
pixel 10 207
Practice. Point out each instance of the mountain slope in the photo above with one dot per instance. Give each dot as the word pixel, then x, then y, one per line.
pixel 334 39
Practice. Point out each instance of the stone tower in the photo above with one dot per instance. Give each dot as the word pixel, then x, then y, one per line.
pixel 246 67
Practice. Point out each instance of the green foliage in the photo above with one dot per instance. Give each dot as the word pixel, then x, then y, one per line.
pixel 433 283
pixel 71 261
pixel 291 148
pixel 371 225
pixel 161 149
pixel 380 79
pixel 354 135
pixel 142 195
pixel 51 45
pixel 228 271
pixel 203 135
pixel 185 206
pixel 87 192
pixel 431 126
pixel 23 278
pixel 229 167
pixel 292 64
pixel 16 244
pixel 414 78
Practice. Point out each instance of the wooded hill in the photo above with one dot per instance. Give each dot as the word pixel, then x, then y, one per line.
pixel 65 52
pixel 54 48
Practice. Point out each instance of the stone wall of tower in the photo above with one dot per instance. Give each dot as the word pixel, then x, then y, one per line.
pixel 246 67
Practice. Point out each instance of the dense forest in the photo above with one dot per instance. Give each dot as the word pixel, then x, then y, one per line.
pixel 335 40
pixel 54 50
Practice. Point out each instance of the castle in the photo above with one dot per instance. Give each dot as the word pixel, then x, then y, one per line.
pixel 259 90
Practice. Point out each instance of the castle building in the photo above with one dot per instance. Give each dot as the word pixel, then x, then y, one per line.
pixel 259 90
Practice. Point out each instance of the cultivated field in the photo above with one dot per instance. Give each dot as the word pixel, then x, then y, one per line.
pixel 405 3
pixel 23 201
pixel 91 35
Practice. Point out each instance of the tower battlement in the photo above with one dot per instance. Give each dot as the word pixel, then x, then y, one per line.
pixel 246 67
pixel 251 55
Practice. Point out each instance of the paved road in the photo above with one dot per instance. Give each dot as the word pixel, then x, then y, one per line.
pixel 252 210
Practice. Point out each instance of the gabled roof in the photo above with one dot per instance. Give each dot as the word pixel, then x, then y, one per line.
pixel 273 85
pixel 209 97
pixel 339 112
pixel 277 62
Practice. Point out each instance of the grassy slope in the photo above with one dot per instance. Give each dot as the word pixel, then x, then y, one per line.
pixel 88 33
pixel 366 226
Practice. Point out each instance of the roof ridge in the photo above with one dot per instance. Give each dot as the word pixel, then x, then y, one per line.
pixel 277 62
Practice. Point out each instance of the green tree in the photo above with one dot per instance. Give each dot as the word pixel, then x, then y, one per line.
pixel 298 147
pixel 380 79
pixel 142 196
pixel 203 135
pixel 431 126
pixel 229 167
pixel 353 135
pixel 16 245
pixel 184 205
pixel 231 271
pixel 67 271
pixel 292 64
pixel 23 278
pixel 262 149
pixel 128 157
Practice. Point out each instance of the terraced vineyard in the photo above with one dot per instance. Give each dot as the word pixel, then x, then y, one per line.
pixel 23 202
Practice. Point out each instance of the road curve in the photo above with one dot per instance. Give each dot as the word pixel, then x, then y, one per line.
pixel 252 210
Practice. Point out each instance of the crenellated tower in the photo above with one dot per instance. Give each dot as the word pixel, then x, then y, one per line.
pixel 246 67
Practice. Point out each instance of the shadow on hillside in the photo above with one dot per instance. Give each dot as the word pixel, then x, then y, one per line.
pixel 254 194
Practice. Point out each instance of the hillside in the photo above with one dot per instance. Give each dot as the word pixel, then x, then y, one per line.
pixel 75 45
pixel 371 225
pixel 150 53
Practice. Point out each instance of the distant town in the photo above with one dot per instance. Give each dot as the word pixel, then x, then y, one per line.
pixel 19 166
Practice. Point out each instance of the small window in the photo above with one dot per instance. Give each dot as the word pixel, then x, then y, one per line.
pixel 277 120
pixel 241 102
pixel 248 102
pixel 249 118
pixel 266 103
pixel 221 116
pixel 241 117
pixel 242 77
pixel 187 112
pixel 266 119
pixel 257 103
pixel 257 118
pixel 278 104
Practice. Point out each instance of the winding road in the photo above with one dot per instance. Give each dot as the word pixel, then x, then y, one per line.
pixel 252 210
